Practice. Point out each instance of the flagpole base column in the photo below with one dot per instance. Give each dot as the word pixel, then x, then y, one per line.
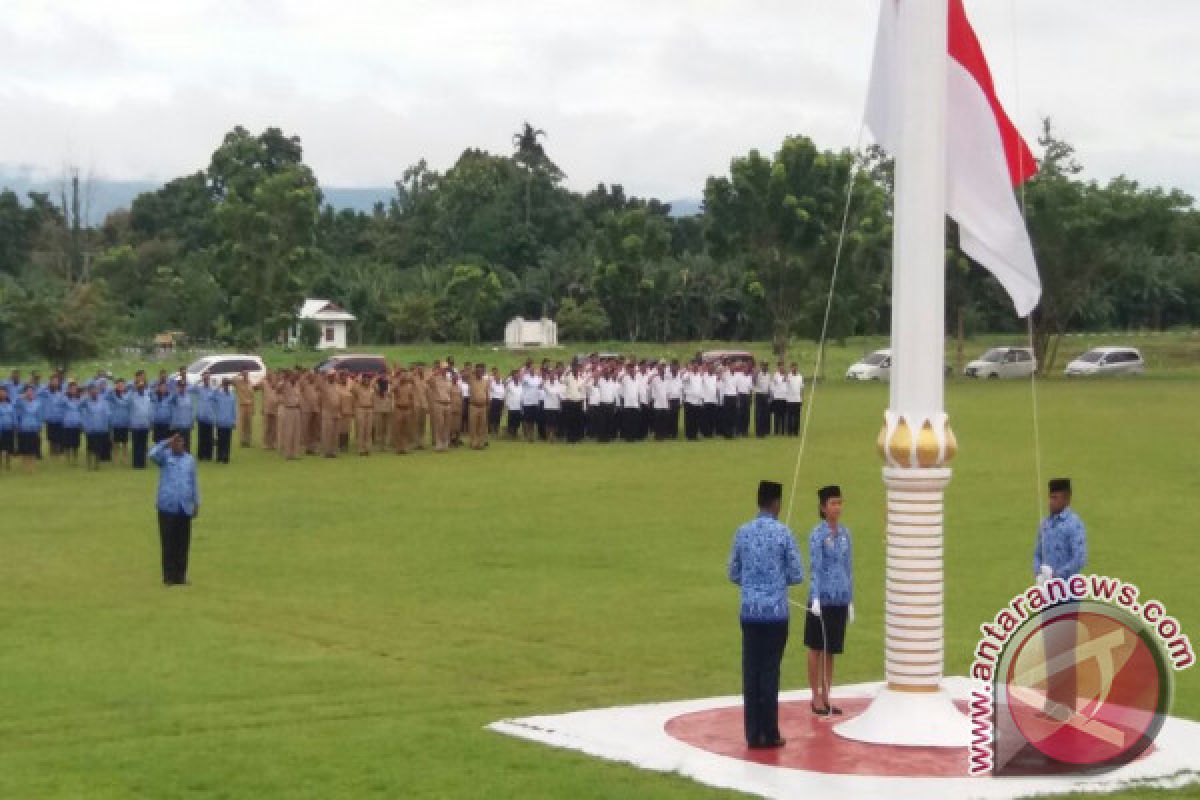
pixel 912 708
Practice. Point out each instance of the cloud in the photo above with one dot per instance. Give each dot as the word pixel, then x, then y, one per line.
pixel 653 94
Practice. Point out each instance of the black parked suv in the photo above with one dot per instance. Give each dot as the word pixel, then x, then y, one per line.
pixel 354 364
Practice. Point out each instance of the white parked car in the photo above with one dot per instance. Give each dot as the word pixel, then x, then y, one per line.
pixel 227 366
pixel 1002 362
pixel 875 367
pixel 1107 361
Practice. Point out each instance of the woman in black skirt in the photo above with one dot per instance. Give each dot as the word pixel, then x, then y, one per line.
pixel 830 597
pixel 71 432
pixel 8 429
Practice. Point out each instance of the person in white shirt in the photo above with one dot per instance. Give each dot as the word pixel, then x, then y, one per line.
pixel 496 394
pixel 674 397
pixel 631 408
pixel 592 416
pixel 729 402
pixel 512 401
pixel 745 384
pixel 610 397
pixel 646 417
pixel 762 400
pixel 778 400
pixel 660 403
pixel 794 397
pixel 708 422
pixel 552 398
pixel 572 411
pixel 693 400
pixel 531 401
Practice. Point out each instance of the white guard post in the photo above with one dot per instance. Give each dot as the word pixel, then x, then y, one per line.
pixel 916 441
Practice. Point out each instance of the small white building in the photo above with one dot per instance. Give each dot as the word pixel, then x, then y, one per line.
pixel 521 332
pixel 331 318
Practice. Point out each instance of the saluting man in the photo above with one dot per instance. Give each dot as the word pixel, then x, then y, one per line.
pixel 763 563
pixel 178 503
pixel 1060 552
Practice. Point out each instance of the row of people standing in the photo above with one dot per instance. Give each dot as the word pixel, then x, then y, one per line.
pixel 114 419
pixel 631 401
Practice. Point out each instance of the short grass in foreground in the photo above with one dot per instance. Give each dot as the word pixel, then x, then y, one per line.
pixel 354 624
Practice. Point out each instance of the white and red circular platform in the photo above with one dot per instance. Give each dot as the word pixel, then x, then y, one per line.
pixel 703 740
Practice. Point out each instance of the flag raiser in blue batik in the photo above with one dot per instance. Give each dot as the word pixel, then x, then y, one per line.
pixel 177 488
pixel 1061 544
pixel 764 562
pixel 832 566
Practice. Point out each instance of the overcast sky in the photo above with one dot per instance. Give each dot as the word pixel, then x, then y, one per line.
pixel 654 94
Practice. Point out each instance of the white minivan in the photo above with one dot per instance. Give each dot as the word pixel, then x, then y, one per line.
pixel 227 366
pixel 1002 362
pixel 875 367
pixel 1107 361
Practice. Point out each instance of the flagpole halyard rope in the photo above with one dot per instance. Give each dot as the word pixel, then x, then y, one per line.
pixel 837 260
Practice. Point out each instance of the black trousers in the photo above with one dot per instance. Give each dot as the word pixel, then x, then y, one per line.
pixel 778 413
pixel 606 421
pixel 793 418
pixel 161 431
pixel 743 425
pixel 708 420
pixel 224 439
pixel 675 404
pixel 139 437
pixel 729 416
pixel 662 423
pixel 762 653
pixel 692 412
pixel 762 414
pixel 175 536
pixel 204 441
pixel 514 422
pixel 631 421
pixel 572 419
pixel 495 411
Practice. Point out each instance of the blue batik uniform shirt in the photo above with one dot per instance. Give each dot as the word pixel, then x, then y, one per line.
pixel 141 409
pixel 95 415
pixel 8 417
pixel 178 492
pixel 832 566
pixel 182 411
pixel 764 562
pixel 119 408
pixel 1061 544
pixel 29 415
pixel 224 404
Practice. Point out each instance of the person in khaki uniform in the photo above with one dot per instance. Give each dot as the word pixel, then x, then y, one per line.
pixel 478 395
pixel 420 406
pixel 364 410
pixel 289 418
pixel 308 407
pixel 270 411
pixel 381 425
pixel 402 419
pixel 346 406
pixel 439 408
pixel 245 403
pixel 331 414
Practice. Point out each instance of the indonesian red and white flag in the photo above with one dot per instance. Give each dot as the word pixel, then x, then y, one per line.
pixel 985 155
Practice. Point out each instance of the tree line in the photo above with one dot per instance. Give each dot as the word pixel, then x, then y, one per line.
pixel 227 253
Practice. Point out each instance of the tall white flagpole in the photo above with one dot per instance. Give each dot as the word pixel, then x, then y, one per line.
pixel 916 441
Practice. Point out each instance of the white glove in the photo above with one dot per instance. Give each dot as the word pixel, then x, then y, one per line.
pixel 815 608
pixel 850 613
pixel 1044 574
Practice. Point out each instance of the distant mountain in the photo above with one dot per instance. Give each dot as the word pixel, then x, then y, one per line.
pixel 100 197
pixel 686 207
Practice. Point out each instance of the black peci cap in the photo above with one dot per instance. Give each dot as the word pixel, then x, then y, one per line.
pixel 1060 485
pixel 827 492
pixel 769 492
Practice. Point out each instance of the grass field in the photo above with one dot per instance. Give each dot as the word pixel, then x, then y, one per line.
pixel 353 624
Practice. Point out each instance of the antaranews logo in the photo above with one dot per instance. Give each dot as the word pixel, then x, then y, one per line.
pixel 1073 676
